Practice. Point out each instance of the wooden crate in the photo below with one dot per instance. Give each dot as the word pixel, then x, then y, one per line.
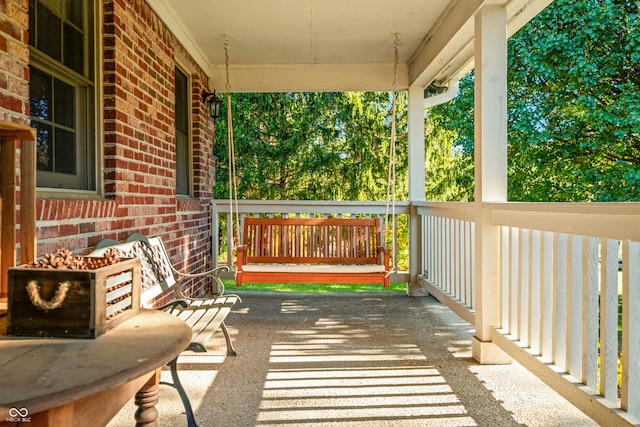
pixel 95 300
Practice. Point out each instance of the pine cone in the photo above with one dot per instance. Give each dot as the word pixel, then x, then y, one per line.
pixel 64 259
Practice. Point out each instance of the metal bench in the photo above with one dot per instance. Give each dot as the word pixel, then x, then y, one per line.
pixel 204 315
pixel 312 250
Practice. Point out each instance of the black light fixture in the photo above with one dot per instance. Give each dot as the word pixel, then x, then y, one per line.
pixel 213 103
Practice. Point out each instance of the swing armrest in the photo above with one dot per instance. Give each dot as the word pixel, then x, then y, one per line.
pixel 241 252
pixel 383 257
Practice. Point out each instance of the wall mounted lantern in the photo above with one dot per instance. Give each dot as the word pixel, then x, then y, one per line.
pixel 213 103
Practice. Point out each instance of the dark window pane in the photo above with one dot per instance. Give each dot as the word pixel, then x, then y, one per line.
pixel 53 5
pixel 182 133
pixel 40 95
pixel 62 30
pixel 73 49
pixel 49 33
pixel 65 152
pixel 32 22
pixel 182 164
pixel 44 146
pixel 64 111
pixel 89 36
pixel 74 12
pixel 182 111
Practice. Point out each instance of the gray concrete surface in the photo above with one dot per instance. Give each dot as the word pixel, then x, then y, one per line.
pixel 353 360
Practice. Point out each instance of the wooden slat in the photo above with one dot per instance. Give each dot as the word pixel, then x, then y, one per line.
pixel 8 220
pixel 28 244
pixel 16 131
pixel 311 240
pixel 314 221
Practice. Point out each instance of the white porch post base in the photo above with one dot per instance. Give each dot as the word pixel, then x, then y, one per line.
pixel 415 290
pixel 487 353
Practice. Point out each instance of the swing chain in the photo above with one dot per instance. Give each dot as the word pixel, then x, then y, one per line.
pixel 391 177
pixel 226 62
pixel 233 182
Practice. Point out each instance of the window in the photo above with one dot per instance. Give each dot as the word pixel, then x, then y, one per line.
pixel 61 37
pixel 183 172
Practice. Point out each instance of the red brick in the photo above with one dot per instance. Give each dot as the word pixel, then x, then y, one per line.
pixel 68 230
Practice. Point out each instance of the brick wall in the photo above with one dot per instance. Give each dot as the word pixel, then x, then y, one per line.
pixel 14 61
pixel 138 190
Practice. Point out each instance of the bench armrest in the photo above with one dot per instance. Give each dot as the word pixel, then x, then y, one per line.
pixel 213 273
pixel 173 305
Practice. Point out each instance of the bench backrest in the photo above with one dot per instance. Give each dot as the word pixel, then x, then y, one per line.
pixel 311 240
pixel 157 271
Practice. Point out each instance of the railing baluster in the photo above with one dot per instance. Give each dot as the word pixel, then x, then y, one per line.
pixel 560 261
pixel 609 321
pixel 505 233
pixel 630 331
pixel 548 305
pixel 514 278
pixel 525 286
pixel 535 294
pixel 574 312
pixel 590 314
pixel 472 260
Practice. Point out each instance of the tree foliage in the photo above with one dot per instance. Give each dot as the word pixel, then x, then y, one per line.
pixel 573 125
pixel 573 102
pixel 449 147
pixel 311 146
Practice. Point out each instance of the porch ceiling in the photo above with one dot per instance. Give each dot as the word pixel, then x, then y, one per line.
pixel 337 45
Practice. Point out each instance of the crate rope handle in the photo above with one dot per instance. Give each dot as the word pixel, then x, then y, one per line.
pixel 56 302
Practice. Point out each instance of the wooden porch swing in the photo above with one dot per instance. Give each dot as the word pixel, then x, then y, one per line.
pixel 311 250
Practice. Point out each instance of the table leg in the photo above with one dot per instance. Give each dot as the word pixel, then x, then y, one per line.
pixel 146 399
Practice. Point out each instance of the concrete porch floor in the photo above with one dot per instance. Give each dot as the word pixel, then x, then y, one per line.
pixel 353 360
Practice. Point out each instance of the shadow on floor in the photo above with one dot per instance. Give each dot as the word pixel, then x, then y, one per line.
pixel 354 360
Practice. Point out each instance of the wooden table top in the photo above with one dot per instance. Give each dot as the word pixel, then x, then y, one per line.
pixel 42 373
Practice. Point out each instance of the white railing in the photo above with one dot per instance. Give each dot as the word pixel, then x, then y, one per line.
pixel 565 271
pixel 222 234
pixel 448 265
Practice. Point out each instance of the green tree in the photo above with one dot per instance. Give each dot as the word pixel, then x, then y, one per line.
pixel 573 102
pixel 304 146
pixel 449 147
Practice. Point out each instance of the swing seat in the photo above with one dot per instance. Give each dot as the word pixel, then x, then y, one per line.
pixel 312 250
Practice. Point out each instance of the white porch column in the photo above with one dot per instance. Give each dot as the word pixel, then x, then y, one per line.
pixel 490 136
pixel 417 186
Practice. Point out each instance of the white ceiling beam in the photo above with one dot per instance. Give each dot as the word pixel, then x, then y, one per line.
pixel 308 77
pixel 448 48
pixel 452 35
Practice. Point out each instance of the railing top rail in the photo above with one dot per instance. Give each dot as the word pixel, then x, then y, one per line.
pixel 455 210
pixel 606 220
pixel 628 208
pixel 611 208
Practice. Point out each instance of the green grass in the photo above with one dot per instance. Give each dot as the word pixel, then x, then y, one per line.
pixel 312 287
